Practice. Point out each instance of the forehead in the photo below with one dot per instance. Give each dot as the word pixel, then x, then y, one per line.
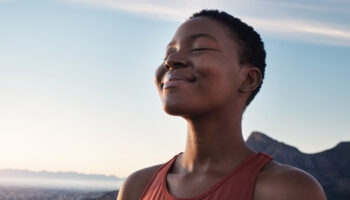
pixel 204 26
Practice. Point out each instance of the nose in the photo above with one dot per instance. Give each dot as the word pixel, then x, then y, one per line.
pixel 175 61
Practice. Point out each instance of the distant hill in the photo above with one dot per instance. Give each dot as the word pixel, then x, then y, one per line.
pixel 331 167
pixel 18 193
pixel 58 180
pixel 55 175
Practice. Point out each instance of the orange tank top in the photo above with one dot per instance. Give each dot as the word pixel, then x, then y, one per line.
pixel 238 184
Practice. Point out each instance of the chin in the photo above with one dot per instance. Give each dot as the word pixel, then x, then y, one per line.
pixel 177 109
pixel 183 106
pixel 174 110
pixel 181 109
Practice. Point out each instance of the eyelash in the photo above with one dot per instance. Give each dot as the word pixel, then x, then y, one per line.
pixel 195 49
pixel 200 49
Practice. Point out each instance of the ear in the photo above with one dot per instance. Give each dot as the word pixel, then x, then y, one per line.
pixel 252 78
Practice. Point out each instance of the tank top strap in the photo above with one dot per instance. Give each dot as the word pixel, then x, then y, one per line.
pixel 251 171
pixel 155 182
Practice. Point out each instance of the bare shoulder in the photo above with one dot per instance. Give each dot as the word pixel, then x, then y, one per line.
pixel 283 182
pixel 134 185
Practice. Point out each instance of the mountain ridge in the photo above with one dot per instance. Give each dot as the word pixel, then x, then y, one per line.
pixel 330 167
pixel 24 173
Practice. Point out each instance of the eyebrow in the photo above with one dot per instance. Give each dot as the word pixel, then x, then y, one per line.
pixel 196 36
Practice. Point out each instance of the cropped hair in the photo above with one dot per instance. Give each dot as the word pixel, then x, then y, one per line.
pixel 251 45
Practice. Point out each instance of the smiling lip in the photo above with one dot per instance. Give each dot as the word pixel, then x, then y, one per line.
pixel 172 80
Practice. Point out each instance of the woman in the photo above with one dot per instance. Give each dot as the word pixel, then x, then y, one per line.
pixel 213 68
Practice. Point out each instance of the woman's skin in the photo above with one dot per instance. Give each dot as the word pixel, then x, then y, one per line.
pixel 203 81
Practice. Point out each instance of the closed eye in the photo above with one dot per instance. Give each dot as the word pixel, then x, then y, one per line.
pixel 200 49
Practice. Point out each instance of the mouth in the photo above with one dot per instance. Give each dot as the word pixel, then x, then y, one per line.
pixel 173 80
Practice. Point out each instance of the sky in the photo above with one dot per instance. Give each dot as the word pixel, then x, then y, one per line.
pixel 78 94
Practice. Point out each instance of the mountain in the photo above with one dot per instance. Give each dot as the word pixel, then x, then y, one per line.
pixel 55 175
pixel 57 185
pixel 20 193
pixel 331 167
pixel 58 180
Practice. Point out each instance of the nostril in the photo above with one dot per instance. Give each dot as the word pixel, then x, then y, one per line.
pixel 174 65
pixel 166 66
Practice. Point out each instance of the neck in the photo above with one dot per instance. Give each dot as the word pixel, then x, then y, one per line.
pixel 214 141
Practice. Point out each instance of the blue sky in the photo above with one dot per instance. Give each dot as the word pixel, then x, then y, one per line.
pixel 77 90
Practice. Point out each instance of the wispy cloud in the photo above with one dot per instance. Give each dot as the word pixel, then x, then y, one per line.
pixel 303 30
pixel 149 8
pixel 338 6
pixel 278 24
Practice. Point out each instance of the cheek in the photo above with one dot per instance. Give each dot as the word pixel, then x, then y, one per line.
pixel 216 74
pixel 217 81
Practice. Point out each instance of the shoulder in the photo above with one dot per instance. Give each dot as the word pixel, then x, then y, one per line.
pixel 135 184
pixel 283 182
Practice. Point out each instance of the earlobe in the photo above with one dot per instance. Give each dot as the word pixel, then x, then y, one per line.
pixel 251 80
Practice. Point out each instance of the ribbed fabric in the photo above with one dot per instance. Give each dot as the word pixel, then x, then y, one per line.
pixel 238 184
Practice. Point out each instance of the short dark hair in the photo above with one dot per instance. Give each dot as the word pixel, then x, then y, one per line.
pixel 252 46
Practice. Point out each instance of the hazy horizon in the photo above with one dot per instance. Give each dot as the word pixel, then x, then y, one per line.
pixel 58 180
pixel 121 179
pixel 22 172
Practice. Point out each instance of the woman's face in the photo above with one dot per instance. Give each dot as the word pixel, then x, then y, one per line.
pixel 201 70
